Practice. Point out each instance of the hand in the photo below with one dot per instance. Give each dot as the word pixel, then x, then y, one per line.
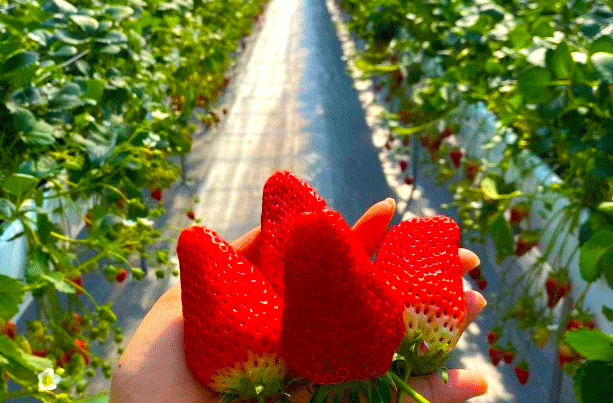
pixel 153 369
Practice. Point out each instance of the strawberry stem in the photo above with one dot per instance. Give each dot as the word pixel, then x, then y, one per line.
pixel 405 379
pixel 407 389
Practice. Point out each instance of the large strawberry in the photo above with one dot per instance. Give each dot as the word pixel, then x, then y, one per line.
pixel 339 322
pixel 285 196
pixel 231 318
pixel 419 259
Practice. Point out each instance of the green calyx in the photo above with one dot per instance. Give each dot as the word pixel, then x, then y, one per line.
pixel 420 357
pixel 248 390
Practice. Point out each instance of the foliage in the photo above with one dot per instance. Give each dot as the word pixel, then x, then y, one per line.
pixel 95 100
pixel 544 71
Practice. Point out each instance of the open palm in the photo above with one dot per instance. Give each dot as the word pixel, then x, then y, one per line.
pixel 153 368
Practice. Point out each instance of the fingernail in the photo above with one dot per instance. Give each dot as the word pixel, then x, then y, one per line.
pixel 391 202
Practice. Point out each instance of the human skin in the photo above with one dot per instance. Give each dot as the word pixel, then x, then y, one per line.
pixel 153 368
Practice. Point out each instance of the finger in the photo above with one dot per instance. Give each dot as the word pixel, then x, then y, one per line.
pixel 474 305
pixel 469 259
pixel 461 385
pixel 371 227
pixel 249 245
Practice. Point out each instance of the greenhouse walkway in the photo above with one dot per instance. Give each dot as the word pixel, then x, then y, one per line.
pixel 292 105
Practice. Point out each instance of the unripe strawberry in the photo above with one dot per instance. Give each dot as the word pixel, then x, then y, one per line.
pixel 541 336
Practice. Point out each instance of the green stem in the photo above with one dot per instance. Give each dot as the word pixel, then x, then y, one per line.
pixel 406 379
pixel 407 389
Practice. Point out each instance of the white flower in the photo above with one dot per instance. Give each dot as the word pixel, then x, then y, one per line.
pixel 159 115
pixel 48 380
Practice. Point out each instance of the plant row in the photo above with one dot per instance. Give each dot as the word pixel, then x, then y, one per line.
pixel 96 100
pixel 544 70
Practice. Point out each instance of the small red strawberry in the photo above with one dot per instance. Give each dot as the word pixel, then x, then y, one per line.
pixel 81 348
pixel 456 157
pixel 557 286
pixel 482 284
pixel 408 180
pixel 522 371
pixel 403 165
pixel 446 132
pixel 580 321
pixel 191 215
pixel 78 280
pixel 429 285
pixel 121 275
pixel 40 352
pixel 567 355
pixel 231 317
pixel 523 246
pixel 88 219
pixel 471 170
pixel 327 274
pixel 285 196
pixel 72 323
pixel 508 355
pixel 494 335
pixel 495 353
pixel 8 329
pixel 475 273
pixel 156 194
pixel 518 213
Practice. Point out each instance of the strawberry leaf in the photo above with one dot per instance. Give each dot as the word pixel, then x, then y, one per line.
pixel 502 234
pixel 593 382
pixel 592 344
pixel 608 313
pixel 591 254
pixel 11 295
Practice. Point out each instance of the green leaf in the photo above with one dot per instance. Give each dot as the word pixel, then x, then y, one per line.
pixel 59 283
pixel 11 295
pixel 603 62
pixel 593 344
pixel 19 61
pixel 384 391
pixel 59 6
pixel 95 89
pixel 10 351
pixel 593 382
pixel 607 267
pixel 488 187
pixel 85 22
pixel 38 264
pixel 560 61
pixel 502 234
pixel 534 85
pixel 119 12
pixel 608 313
pixel 19 184
pixel 33 132
pixel 99 398
pixel 65 51
pixel 6 209
pixel 591 252
pixel 602 44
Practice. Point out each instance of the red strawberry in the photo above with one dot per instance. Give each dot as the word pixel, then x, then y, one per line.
pixel 419 259
pixel 446 132
pixel 475 273
pixel 495 353
pixel 285 197
pixel 482 284
pixel 566 354
pixel 557 286
pixel 471 170
pixel 523 246
pixel 494 335
pixel 121 275
pixel 156 194
pixel 191 215
pixel 580 321
pixel 508 355
pixel 72 323
pixel 81 348
pixel 88 219
pixel 408 180
pixel 231 317
pixel 403 165
pixel 339 322
pixel 523 372
pixel 78 280
pixel 456 157
pixel 8 329
pixel 517 214
pixel 40 352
